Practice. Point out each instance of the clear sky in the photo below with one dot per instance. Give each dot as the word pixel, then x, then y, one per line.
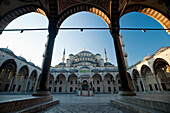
pixel 30 45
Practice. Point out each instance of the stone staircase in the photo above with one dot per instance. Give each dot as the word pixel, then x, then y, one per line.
pixel 140 105
pixel 27 105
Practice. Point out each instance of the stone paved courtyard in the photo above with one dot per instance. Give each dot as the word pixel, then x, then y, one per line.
pixel 70 103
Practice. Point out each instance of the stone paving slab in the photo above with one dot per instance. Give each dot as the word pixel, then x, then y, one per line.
pixel 85 108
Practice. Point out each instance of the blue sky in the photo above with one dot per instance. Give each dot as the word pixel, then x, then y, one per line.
pixel 30 45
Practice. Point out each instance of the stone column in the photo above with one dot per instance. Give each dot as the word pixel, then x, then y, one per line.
pixel 26 84
pixel 157 82
pixel 103 87
pixel 43 88
pixel 125 89
pixel 66 86
pixel 35 85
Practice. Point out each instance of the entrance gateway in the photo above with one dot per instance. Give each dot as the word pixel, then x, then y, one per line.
pixel 85 82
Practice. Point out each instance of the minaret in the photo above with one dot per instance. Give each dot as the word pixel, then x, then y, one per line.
pixel 123 50
pixel 105 55
pixel 63 59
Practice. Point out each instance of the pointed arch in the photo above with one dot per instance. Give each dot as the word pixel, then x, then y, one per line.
pixel 84 7
pixel 15 13
pixel 162 18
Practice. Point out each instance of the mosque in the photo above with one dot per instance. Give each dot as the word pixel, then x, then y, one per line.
pixel 86 73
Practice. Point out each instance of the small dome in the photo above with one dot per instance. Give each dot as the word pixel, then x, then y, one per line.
pixel 62 70
pixel 7 50
pixel 115 69
pixel 38 67
pixel 31 63
pixel 95 70
pixel 21 58
pixel 86 67
pixel 71 55
pixel 62 63
pixel 53 70
pixel 161 50
pixel 107 63
pixel 98 54
pixel 147 57
pixel 107 70
pixel 73 70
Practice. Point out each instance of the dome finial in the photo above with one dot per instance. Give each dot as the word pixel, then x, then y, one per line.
pixel 84 48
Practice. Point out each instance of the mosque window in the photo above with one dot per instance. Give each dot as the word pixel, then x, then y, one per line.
pixel 55 89
pixel 108 82
pixel 60 89
pixel 50 82
pixel 150 86
pixel 71 82
pixel 118 81
pixel 156 87
pixel 61 82
pixel 98 82
pixel 109 89
pixel 71 89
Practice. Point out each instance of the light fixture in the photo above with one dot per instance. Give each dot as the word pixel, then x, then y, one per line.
pixel 81 29
pixel 143 30
pixel 22 31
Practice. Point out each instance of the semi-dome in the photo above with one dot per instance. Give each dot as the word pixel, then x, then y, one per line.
pixel 147 57
pixel 38 67
pixel 62 70
pixel 107 63
pixel 73 70
pixel 84 61
pixel 31 63
pixel 115 69
pixel 95 70
pixel 71 55
pixel 53 70
pixel 86 67
pixel 7 50
pixel 98 54
pixel 62 63
pixel 21 58
pixel 107 70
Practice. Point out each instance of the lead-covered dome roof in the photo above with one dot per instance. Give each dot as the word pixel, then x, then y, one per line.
pixel 7 50
pixel 21 58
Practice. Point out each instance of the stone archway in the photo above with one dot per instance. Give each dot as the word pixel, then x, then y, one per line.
pixel 19 11
pixel 136 80
pixel 162 72
pixel 61 83
pixel 84 7
pixel 32 81
pixel 148 79
pixel 108 83
pixel 7 74
pixel 51 83
pixel 130 81
pixel 72 84
pixel 97 83
pixel 21 79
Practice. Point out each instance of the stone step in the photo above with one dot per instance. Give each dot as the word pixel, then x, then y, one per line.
pixel 17 104
pixel 38 107
pixel 147 102
pixel 134 108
